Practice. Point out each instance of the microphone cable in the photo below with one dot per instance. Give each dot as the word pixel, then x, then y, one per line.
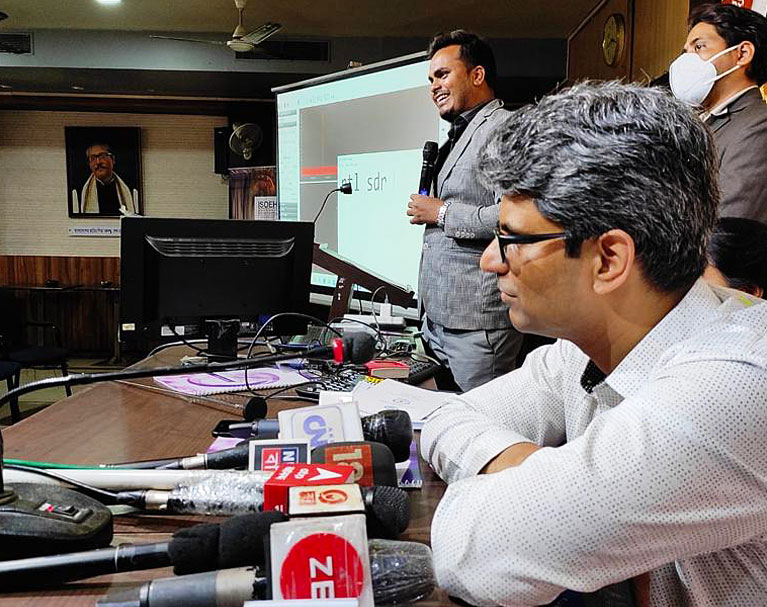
pixel 108 498
pixel 261 329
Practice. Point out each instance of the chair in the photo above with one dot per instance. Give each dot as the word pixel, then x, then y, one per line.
pixel 15 346
pixel 11 373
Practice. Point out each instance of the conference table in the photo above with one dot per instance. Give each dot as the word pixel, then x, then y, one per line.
pixel 127 421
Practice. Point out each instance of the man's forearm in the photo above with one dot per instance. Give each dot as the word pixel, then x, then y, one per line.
pixel 510 457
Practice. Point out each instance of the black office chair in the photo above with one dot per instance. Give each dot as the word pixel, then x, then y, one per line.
pixel 15 346
pixel 11 373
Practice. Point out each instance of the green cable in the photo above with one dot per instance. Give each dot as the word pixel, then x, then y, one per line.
pixel 31 464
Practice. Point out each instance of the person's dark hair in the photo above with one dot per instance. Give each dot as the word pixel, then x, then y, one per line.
pixel 597 157
pixel 738 249
pixel 474 51
pixel 736 24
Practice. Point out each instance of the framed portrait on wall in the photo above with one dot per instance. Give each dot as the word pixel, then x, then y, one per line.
pixel 103 171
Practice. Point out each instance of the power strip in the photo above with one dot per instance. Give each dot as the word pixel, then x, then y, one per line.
pixel 389 322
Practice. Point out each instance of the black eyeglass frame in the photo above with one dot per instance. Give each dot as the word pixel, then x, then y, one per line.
pixel 504 240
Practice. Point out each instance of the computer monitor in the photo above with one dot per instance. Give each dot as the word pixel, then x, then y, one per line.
pixel 178 273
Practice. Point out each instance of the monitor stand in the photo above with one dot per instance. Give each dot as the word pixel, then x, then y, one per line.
pixel 222 338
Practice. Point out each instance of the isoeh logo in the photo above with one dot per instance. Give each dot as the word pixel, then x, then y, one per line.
pixel 322 566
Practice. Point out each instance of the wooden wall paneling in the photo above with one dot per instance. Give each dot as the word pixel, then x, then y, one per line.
pixel 584 55
pixel 36 269
pixel 660 28
pixel 85 317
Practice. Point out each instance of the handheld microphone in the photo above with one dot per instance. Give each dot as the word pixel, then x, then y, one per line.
pixel 388 508
pixel 237 542
pixel 226 459
pixel 430 151
pixel 234 543
pixel 391 427
pixel 373 463
pixel 401 573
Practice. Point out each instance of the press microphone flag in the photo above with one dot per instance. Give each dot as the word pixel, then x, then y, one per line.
pixel 321 558
pixel 430 151
pixel 373 463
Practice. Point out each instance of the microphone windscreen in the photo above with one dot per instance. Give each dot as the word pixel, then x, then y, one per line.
pixel 237 542
pixel 402 572
pixel 387 511
pixel 241 541
pixel 393 428
pixel 194 549
pixel 359 348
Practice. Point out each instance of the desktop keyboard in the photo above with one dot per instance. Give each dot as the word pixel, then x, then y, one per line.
pixel 420 371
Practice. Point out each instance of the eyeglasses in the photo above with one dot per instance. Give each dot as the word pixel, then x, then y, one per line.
pixel 504 240
pixel 100 156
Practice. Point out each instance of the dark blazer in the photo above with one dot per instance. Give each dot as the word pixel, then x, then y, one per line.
pixel 454 292
pixel 741 139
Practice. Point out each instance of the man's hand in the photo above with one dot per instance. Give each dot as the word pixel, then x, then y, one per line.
pixel 423 209
pixel 510 457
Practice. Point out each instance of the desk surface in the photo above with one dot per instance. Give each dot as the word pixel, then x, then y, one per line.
pixel 113 422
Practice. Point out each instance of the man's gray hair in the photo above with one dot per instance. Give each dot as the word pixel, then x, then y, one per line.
pixel 597 157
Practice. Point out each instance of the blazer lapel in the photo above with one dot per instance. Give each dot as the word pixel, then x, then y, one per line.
pixel 463 142
pixel 717 122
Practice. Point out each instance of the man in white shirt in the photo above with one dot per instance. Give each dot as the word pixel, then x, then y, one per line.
pixel 632 449
pixel 730 44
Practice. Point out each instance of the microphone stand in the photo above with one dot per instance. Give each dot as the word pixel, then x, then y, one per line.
pixel 84 379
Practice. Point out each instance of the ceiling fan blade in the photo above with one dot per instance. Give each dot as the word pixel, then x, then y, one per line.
pixel 260 34
pixel 216 42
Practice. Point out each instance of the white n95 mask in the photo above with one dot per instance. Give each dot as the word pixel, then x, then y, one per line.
pixel 692 78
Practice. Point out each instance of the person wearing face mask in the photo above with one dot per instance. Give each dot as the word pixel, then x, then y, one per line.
pixel 724 63
pixel 465 323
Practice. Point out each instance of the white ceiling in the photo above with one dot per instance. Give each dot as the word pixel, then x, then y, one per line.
pixel 326 18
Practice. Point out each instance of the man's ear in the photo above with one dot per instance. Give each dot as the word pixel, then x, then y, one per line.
pixel 477 75
pixel 746 52
pixel 614 260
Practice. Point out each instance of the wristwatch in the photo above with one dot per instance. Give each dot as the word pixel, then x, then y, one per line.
pixel 441 215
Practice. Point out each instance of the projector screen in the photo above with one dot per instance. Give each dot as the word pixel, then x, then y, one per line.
pixel 366 126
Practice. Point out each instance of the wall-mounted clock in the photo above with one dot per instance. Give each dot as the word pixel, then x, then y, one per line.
pixel 613 39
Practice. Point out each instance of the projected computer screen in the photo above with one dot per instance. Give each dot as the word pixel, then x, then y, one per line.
pixel 369 129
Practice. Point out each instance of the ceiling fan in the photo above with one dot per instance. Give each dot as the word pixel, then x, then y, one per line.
pixel 240 41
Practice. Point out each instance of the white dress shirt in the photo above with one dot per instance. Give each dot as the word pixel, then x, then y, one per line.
pixel 661 468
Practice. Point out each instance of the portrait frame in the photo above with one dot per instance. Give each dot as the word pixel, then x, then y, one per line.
pixel 121 165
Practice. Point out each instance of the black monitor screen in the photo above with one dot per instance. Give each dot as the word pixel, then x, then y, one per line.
pixel 181 272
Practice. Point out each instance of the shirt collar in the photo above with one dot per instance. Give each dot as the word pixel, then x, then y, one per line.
pixel 463 120
pixel 696 308
pixel 723 107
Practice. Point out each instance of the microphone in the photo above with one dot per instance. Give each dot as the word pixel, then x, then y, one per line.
pixel 386 508
pixel 430 151
pixel 373 463
pixel 357 348
pixel 234 543
pixel 226 459
pixel 401 573
pixel 392 427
